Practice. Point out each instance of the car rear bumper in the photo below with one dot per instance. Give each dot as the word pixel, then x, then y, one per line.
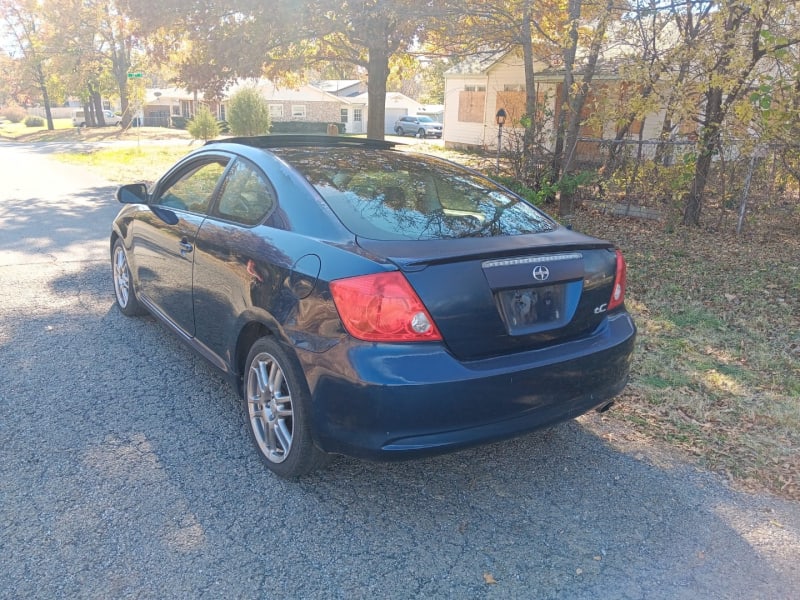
pixel 404 401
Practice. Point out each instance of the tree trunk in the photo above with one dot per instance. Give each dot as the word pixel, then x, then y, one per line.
pixel 531 108
pixel 578 101
pixel 42 80
pixel 97 101
pixel 376 91
pixel 569 78
pixel 709 144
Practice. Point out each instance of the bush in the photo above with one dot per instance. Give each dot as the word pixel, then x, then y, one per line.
pixel 180 122
pixel 14 113
pixel 248 113
pixel 204 125
pixel 34 122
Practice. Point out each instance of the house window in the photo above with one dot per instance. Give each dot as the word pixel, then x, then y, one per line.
pixel 276 111
pixel 513 87
pixel 343 115
pixel 176 110
pixel 357 115
pixel 474 88
pixel 298 111
pixel 222 112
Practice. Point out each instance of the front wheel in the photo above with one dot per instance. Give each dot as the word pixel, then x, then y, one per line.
pixel 421 133
pixel 399 131
pixel 277 402
pixel 124 291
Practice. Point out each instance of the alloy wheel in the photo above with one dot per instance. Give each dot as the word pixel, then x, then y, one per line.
pixel 269 404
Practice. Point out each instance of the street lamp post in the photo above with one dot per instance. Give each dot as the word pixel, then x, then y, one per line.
pixel 500 119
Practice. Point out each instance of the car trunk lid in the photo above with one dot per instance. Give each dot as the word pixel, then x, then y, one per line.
pixel 502 295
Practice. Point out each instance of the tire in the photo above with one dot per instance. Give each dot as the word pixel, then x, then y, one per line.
pixel 276 404
pixel 124 291
pixel 399 131
pixel 421 133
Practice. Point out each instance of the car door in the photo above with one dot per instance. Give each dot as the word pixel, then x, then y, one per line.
pixel 235 261
pixel 164 237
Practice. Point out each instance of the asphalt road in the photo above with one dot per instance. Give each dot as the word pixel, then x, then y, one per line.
pixel 125 470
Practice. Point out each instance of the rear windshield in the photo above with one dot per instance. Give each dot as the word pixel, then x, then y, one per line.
pixel 389 195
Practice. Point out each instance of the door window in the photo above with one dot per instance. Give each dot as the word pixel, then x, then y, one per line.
pixel 193 189
pixel 246 195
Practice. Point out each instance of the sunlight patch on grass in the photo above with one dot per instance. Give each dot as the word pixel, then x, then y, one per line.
pixel 129 164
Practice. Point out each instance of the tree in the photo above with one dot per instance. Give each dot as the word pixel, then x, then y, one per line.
pixel 204 125
pixel 743 33
pixel 251 38
pixel 248 113
pixel 24 26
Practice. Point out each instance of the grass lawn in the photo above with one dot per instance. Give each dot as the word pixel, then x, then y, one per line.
pixel 717 366
pixel 21 131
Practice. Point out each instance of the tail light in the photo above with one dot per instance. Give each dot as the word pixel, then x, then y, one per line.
pixel 620 279
pixel 383 307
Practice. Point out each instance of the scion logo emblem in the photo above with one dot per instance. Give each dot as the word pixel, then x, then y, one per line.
pixel 540 273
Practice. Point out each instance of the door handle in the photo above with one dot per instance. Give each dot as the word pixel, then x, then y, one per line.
pixel 186 247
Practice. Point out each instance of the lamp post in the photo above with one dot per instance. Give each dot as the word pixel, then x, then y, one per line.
pixel 500 119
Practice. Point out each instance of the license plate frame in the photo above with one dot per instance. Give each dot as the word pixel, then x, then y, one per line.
pixel 532 309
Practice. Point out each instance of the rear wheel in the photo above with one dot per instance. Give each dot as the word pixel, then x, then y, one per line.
pixel 123 282
pixel 276 402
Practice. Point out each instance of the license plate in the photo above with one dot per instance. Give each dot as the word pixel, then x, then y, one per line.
pixel 527 310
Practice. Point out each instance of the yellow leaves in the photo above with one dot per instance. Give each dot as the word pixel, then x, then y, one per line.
pixel 489 579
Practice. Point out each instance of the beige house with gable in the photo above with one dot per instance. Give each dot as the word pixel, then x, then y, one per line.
pixel 477 88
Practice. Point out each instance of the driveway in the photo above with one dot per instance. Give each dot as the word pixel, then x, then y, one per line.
pixel 126 472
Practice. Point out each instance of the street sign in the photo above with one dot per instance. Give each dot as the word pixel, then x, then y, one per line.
pixel 136 75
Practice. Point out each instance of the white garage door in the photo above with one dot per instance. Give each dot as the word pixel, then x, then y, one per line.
pixel 392 114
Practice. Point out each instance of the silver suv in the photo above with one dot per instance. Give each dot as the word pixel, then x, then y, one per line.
pixel 418 126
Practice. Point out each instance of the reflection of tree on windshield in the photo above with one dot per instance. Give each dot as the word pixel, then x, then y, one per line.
pixel 393 196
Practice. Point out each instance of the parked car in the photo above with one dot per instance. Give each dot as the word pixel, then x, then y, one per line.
pixel 419 126
pixel 79 119
pixel 372 302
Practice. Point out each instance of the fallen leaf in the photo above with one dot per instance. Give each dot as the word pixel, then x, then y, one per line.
pixel 489 579
pixel 578 571
pixel 775 523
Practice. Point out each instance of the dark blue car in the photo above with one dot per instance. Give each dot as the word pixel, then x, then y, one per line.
pixel 372 302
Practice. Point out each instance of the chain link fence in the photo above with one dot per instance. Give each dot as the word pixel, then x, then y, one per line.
pixel 652 179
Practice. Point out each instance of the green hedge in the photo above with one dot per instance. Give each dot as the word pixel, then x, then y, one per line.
pixel 303 127
pixel 180 122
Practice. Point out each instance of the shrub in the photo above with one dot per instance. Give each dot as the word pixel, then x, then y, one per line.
pixel 248 113
pixel 14 113
pixel 180 122
pixel 34 122
pixel 204 125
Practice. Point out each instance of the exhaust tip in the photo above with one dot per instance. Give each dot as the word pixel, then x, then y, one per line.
pixel 605 407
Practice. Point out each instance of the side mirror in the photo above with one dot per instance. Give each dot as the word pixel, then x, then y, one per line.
pixel 133 193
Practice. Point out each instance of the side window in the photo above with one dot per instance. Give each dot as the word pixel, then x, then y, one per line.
pixel 192 191
pixel 246 195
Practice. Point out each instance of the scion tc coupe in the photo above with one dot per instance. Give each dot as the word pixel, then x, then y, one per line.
pixel 372 302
